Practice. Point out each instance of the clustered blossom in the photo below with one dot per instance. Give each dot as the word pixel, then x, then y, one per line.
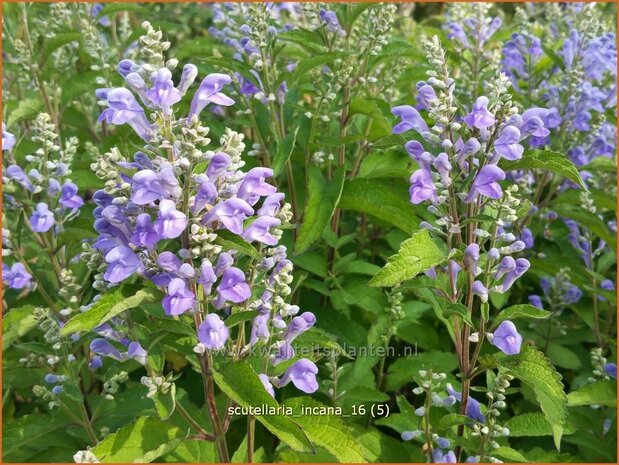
pixel 43 190
pixel 173 215
pixel 465 177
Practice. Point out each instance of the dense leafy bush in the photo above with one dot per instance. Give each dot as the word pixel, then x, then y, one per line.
pixel 293 232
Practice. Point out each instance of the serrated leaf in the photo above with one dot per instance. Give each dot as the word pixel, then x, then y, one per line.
pixel 386 201
pixel 521 311
pixel 327 431
pixel 323 199
pixel 589 220
pixel 142 441
pixel 563 357
pixel 114 303
pixel 165 404
pixel 534 369
pixel 240 317
pixel 548 160
pixel 452 419
pixel 230 241
pixel 239 381
pixel 26 108
pixel 58 41
pixel 532 425
pixel 417 254
pixel 16 323
pixel 25 430
pixel 284 150
pixel 603 392
pixel 459 310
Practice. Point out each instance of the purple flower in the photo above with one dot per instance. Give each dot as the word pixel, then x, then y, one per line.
pixel 122 263
pixel 233 287
pixel 17 174
pixel 163 94
pixel 302 373
pixel 480 117
pixel 146 187
pixel 210 92
pixel 125 67
pixel 480 290
pixel 471 258
pixel 179 298
pixel 486 183
pixel 442 165
pixel 8 139
pixel 231 213
pixel 425 95
pixel 329 19
pixel 213 332
pixel 144 235
pixel 42 219
pixel 190 72
pixel 254 185
pixel 536 301
pixel 533 122
pixel 526 236
pixel 271 205
pixel 439 457
pixel 16 276
pixel 170 222
pixel 137 353
pixel 258 230
pixel 69 197
pixel 411 119
pixel 218 166
pixel 267 384
pixel 520 268
pixel 422 187
pixel 507 145
pixel 124 108
pixel 507 338
pixel 473 409
pixel 611 370
pixel 102 347
pixel 207 276
pixel 299 324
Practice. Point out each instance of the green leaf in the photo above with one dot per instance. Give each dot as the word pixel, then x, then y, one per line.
pixel 26 109
pixel 142 441
pixel 326 430
pixel 165 404
pixel 111 8
pixel 384 200
pixel 556 59
pixel 323 199
pixel 510 455
pixel 563 357
pixel 452 419
pixel 58 41
pixel 16 323
pixel 532 425
pixel 121 299
pixel 534 369
pixel 24 431
pixel 417 254
pixel 239 381
pixel 602 392
pixel 521 311
pixel 230 241
pixel 240 317
pixel 402 370
pixel 459 310
pixel 306 65
pixel 380 125
pixel 284 150
pixel 547 160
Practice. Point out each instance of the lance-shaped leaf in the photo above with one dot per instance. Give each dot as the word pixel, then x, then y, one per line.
pixel 548 160
pixel 417 254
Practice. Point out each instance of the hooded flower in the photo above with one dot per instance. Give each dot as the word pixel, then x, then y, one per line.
pixel 507 338
pixel 258 230
pixel 210 92
pixel 329 19
pixel 163 94
pixel 179 298
pixel 213 332
pixel 267 384
pixel 480 117
pixel 16 276
pixel 611 370
pixel 17 174
pixel 254 185
pixel 122 263
pixel 69 197
pixel 302 373
pixel 411 119
pixel 8 139
pixel 230 213
pixel 170 223
pixel 42 219
pixel 422 187
pixel 507 145
pixel 486 183
pixel 473 408
pixel 124 108
pixel 233 287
